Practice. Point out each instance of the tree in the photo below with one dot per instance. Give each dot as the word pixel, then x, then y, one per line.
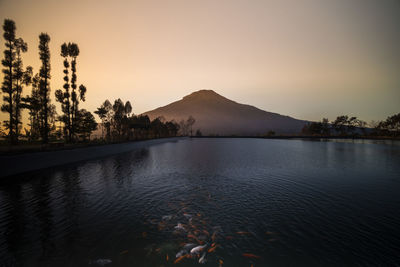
pixel 340 124
pixel 21 78
pixel 64 97
pixel 360 124
pixel 33 104
pixel 391 125
pixel 7 86
pixel 119 113
pixel 74 53
pixel 325 127
pixel 190 122
pixel 313 128
pixel 128 108
pixel 104 113
pixel 183 128
pixel 44 84
pixel 86 124
pixel 70 99
pixel 173 128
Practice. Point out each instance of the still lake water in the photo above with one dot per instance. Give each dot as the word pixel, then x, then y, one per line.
pixel 284 202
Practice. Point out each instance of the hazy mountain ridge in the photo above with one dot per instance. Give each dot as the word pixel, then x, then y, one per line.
pixel 216 114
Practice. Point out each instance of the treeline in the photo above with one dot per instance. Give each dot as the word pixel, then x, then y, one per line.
pixel 118 124
pixel 73 124
pixel 77 123
pixel 354 127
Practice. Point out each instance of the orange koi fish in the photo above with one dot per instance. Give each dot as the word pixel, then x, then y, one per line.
pixel 179 259
pixel 249 255
pixel 212 249
pixel 243 233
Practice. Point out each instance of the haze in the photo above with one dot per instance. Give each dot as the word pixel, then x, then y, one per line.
pixel 306 59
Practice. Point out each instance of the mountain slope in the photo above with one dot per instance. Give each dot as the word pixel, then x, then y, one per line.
pixel 216 114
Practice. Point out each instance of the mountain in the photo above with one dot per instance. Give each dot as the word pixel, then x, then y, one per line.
pixel 215 114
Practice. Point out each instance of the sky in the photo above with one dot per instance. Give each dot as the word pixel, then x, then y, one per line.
pixel 308 59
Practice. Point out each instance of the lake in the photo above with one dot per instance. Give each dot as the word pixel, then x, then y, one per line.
pixel 253 202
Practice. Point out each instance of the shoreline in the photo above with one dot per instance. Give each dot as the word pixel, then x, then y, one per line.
pixel 383 138
pixel 22 163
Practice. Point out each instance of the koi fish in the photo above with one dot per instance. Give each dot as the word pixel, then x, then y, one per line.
pixel 203 260
pixel 249 255
pixel 243 233
pixel 185 250
pixel 220 262
pixel 180 227
pixel 198 249
pixel 212 248
pixel 123 252
pixel 179 259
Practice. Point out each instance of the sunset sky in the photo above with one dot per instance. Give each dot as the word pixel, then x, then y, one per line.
pixel 303 58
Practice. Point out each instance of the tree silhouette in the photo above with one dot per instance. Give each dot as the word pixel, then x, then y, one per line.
pixel 70 99
pixel 190 121
pixel 33 103
pixel 7 86
pixel 104 113
pixel 21 78
pixel 64 97
pixel 87 124
pixel 119 113
pixel 44 84
pixel 128 108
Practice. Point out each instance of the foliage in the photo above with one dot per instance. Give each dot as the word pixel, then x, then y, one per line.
pixel 87 124
pixel 70 99
pixel 389 127
pixel 120 125
pixel 44 85
pixel 198 133
pixel 7 86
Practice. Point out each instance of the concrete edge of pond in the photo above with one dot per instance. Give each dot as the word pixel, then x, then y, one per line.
pixel 18 164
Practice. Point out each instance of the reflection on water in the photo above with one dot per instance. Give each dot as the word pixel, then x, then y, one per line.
pixel 251 201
